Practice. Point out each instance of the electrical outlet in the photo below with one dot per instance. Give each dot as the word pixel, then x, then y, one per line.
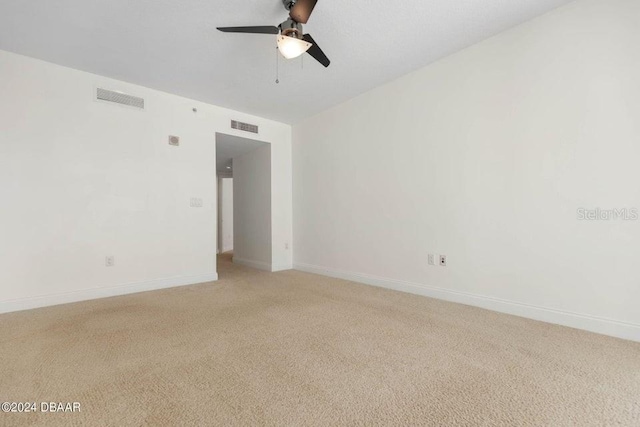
pixel 432 259
pixel 443 260
pixel 110 261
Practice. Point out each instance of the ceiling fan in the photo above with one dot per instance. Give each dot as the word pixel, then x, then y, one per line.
pixel 291 40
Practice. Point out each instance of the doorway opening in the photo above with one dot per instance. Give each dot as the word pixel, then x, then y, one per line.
pixel 243 168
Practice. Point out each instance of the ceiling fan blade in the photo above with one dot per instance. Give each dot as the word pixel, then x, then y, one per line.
pixel 301 11
pixel 251 30
pixel 316 52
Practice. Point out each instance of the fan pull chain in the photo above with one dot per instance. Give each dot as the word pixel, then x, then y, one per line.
pixel 277 66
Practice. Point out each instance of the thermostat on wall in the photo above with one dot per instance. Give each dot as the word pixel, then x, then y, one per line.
pixel 174 140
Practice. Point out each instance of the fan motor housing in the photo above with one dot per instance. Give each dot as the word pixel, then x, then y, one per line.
pixel 288 4
pixel 291 28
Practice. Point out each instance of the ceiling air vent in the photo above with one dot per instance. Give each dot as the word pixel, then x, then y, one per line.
pixel 119 98
pixel 246 127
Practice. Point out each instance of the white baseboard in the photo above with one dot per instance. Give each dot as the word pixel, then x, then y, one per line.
pixel 614 328
pixel 261 265
pixel 276 268
pixel 90 294
pixel 253 264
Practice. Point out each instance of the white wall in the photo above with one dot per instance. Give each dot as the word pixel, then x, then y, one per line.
pixel 81 180
pixel 252 209
pixel 225 214
pixel 486 156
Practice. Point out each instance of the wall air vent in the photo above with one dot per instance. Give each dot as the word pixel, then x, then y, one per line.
pixel 119 98
pixel 246 127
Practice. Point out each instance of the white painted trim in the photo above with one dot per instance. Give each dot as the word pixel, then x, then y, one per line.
pixel 614 328
pixel 90 294
pixel 262 265
pixel 253 264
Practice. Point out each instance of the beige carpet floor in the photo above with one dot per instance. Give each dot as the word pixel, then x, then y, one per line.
pixel 297 349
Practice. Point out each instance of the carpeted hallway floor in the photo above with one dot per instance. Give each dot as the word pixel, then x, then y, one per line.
pixel 292 348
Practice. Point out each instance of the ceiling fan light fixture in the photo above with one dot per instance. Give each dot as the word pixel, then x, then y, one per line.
pixel 291 47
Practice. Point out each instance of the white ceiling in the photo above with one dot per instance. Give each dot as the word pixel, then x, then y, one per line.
pixel 228 147
pixel 173 45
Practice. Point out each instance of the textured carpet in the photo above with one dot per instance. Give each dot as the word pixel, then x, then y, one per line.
pixel 293 348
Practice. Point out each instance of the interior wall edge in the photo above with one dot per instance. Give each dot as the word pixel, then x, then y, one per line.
pixel 610 327
pixel 103 292
pixel 265 266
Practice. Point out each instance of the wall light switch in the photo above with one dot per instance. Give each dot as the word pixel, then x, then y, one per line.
pixel 196 202
pixel 443 260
